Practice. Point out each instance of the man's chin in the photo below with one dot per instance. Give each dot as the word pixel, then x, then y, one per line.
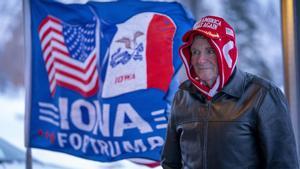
pixel 205 77
pixel 205 73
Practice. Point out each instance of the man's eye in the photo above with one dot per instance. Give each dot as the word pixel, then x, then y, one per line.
pixel 211 51
pixel 195 52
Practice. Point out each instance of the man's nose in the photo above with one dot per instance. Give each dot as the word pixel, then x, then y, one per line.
pixel 201 58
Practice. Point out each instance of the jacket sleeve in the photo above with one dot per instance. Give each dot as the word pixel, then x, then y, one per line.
pixel 171 154
pixel 276 138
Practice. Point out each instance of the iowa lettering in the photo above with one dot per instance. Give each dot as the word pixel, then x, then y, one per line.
pixel 99 118
pixel 101 136
pixel 123 78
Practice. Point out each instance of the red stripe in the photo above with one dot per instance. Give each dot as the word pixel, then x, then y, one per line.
pixel 151 165
pixel 76 78
pixel 47 19
pixel 56 50
pixel 77 89
pixel 53 77
pixel 71 76
pixel 159 52
pixel 69 65
pixel 52 64
pixel 72 66
pixel 49 43
pixel 53 92
pixel 48 31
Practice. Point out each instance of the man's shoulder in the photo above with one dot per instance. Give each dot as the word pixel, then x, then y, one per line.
pixel 184 87
pixel 185 84
pixel 260 82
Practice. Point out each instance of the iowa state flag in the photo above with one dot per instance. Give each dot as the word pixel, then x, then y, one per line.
pixel 103 76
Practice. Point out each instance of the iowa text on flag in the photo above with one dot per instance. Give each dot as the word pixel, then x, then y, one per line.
pixel 103 75
pixel 70 55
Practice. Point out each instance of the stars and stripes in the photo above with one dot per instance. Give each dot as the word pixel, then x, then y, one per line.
pixel 70 55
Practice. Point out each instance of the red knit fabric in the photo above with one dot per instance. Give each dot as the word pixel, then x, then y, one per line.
pixel 221 37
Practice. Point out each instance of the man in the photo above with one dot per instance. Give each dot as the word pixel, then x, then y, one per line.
pixel 221 117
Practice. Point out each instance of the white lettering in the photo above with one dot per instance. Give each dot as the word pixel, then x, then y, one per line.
pixel 102 120
pixel 103 147
pixel 75 141
pixel 63 110
pixel 209 25
pixel 61 139
pixel 155 142
pixel 93 143
pixel 109 148
pixel 211 20
pixel 136 121
pixel 138 146
pixel 86 141
pixel 77 115
pixel 114 149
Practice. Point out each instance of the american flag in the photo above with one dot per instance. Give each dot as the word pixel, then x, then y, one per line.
pixel 70 55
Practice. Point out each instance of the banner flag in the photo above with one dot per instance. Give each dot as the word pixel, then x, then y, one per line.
pixel 103 76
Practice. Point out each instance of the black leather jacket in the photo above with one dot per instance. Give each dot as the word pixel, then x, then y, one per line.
pixel 245 126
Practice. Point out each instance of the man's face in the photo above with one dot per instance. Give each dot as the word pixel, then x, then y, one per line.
pixel 204 60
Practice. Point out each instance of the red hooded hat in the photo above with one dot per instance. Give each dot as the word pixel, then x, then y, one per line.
pixel 221 37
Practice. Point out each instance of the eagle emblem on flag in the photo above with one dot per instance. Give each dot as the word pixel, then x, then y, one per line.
pixel 70 55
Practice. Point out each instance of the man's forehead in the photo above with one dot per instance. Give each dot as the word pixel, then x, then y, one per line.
pixel 200 42
pixel 199 37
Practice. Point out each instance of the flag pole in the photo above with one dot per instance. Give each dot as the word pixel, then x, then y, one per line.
pixel 288 20
pixel 27 55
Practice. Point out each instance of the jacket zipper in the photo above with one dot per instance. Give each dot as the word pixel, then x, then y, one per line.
pixel 205 130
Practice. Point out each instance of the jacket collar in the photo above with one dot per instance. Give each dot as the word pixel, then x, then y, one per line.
pixel 234 87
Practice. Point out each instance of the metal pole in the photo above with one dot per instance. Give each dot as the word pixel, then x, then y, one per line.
pixel 297 43
pixel 290 64
pixel 28 158
pixel 27 43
